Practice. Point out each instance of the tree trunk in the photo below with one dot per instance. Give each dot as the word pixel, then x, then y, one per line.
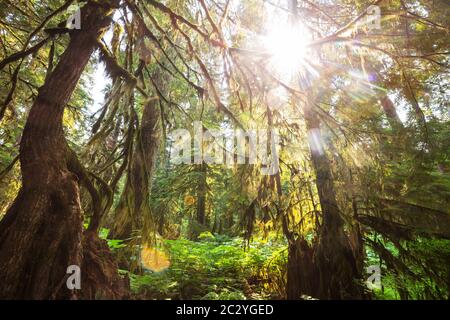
pixel 133 210
pixel 391 112
pixel 41 234
pixel 334 263
pixel 301 272
pixel 333 258
pixel 201 194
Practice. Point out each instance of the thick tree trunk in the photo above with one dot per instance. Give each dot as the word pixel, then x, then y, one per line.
pixel 334 265
pixel 41 234
pixel 334 260
pixel 301 272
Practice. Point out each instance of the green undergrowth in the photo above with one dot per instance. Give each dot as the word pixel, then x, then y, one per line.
pixel 216 267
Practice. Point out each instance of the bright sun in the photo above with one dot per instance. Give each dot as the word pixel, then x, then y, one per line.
pixel 288 48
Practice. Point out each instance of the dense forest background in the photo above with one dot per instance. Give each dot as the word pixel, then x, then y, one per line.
pixel 359 102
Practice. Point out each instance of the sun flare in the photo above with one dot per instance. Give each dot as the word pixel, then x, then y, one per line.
pixel 288 47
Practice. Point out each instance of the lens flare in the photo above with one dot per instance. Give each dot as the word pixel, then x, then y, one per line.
pixel 288 48
pixel 154 259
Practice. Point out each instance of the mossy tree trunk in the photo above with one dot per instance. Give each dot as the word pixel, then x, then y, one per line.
pixel 334 259
pixel 134 208
pixel 42 233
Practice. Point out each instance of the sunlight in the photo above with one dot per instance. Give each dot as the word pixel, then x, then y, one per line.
pixel 288 47
pixel 154 259
pixel 224 150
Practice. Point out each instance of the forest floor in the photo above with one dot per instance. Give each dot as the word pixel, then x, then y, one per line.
pixel 219 267
pixel 213 268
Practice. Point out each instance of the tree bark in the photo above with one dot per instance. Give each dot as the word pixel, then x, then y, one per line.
pixel 41 234
pixel 333 258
